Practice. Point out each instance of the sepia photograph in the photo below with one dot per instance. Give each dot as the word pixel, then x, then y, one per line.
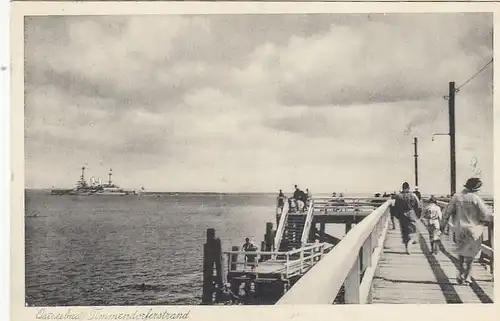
pixel 258 159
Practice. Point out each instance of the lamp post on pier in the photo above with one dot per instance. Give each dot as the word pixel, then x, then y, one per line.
pixel 451 133
pixel 415 143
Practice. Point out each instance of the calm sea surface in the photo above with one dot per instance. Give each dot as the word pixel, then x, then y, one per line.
pixel 98 250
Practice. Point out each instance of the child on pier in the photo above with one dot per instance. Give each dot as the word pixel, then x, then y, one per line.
pixel 467 212
pixel 434 215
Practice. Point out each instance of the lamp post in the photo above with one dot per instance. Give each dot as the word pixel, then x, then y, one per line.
pixel 451 133
pixel 415 143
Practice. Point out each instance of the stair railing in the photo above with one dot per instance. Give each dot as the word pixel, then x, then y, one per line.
pixel 281 226
pixel 308 222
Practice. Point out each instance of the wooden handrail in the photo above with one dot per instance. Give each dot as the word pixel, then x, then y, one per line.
pixel 306 248
pixel 335 198
pixel 281 225
pixel 342 265
pixel 308 222
pixel 292 266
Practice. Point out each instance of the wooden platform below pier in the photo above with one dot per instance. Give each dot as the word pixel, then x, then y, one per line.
pixel 422 277
pixel 341 217
pixel 268 267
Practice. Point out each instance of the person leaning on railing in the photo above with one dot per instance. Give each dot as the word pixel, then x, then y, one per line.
pixel 468 214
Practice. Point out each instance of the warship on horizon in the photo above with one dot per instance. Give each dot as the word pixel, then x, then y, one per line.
pixel 95 187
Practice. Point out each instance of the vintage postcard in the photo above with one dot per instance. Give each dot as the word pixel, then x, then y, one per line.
pixel 235 160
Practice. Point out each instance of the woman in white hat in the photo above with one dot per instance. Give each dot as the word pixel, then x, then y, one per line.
pixel 467 212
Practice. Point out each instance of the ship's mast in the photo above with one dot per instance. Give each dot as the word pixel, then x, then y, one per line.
pixel 82 183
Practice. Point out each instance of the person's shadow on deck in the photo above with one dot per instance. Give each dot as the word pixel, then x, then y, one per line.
pixel 483 296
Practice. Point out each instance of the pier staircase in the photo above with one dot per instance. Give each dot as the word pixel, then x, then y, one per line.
pixel 293 228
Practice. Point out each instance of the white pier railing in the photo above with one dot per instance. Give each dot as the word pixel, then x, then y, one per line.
pixel 295 262
pixel 351 263
pixel 308 222
pixel 281 225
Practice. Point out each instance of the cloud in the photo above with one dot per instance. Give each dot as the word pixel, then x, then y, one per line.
pixel 255 102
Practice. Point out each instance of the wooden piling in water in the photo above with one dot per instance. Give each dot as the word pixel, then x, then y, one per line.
pixel 322 232
pixel 268 239
pixel 212 257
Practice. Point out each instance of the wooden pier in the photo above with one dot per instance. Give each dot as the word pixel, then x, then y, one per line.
pixel 422 277
pixel 299 263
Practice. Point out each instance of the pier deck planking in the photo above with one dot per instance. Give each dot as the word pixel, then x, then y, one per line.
pixel 413 279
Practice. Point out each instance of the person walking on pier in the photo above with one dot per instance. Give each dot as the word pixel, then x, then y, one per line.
pixel 406 206
pixel 417 193
pixel 467 212
pixel 434 216
pixel 392 210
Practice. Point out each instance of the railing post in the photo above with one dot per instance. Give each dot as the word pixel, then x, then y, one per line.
pixel 351 284
pixel 491 240
pixel 301 261
pixel 286 264
pixel 490 234
pixel 367 252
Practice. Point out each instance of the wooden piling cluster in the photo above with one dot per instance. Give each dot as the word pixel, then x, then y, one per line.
pixel 268 242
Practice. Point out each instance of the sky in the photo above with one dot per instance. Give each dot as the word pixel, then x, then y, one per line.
pixel 257 103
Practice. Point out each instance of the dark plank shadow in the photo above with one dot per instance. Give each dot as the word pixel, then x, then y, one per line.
pixel 449 292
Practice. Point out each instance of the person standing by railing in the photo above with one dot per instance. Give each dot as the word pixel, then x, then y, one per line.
pixel 308 199
pixel 281 202
pixel 468 213
pixel 406 207
pixel 249 247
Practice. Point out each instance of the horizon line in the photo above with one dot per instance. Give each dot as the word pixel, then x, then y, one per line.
pixel 254 192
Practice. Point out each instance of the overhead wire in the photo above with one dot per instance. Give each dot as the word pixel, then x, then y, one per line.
pixel 474 76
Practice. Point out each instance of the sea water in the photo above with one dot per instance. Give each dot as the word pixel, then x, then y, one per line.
pixel 99 250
